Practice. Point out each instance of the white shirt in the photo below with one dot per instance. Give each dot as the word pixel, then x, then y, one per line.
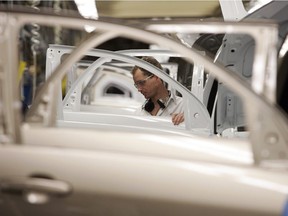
pixel 173 105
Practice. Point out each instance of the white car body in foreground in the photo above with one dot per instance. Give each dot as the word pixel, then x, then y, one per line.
pixel 45 170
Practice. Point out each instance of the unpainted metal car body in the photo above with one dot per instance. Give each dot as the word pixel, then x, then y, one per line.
pixel 47 169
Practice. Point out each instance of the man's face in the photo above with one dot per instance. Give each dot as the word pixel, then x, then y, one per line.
pixel 145 84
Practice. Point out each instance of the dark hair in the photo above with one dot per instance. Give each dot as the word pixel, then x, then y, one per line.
pixel 150 60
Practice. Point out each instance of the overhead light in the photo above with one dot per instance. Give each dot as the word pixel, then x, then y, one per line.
pixel 88 10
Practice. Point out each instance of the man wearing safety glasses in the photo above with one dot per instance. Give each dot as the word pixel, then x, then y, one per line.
pixel 159 101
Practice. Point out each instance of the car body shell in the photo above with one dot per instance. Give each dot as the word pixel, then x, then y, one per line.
pixel 113 170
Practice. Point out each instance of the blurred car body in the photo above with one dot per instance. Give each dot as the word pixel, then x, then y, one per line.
pixel 47 169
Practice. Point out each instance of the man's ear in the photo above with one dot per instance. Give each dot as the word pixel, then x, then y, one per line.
pixel 160 80
pixel 157 78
